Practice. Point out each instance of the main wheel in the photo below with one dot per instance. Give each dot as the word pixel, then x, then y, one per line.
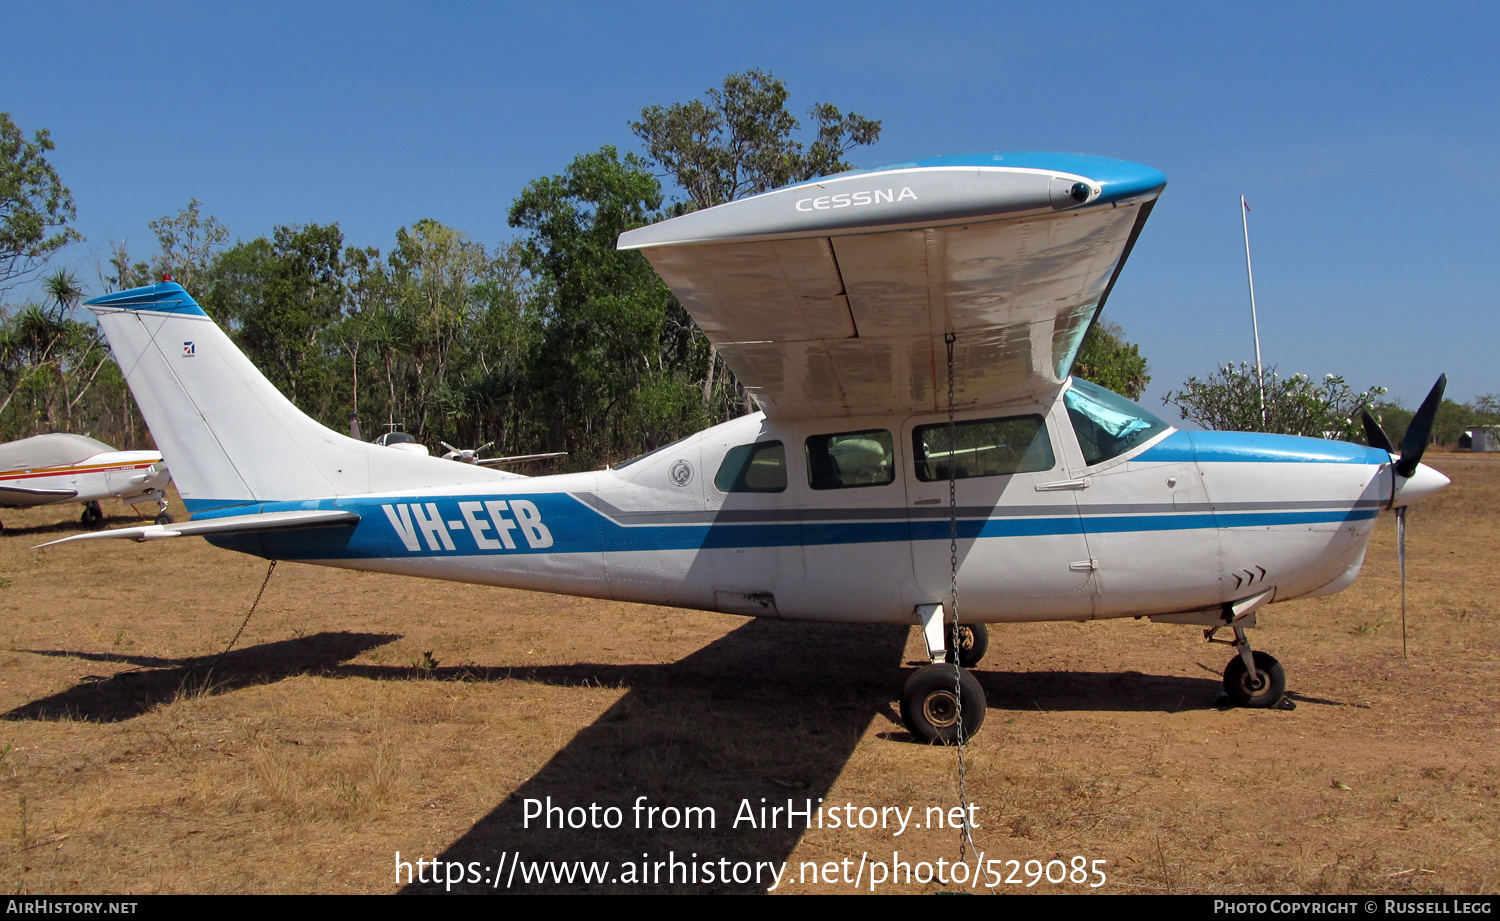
pixel 163 518
pixel 92 514
pixel 973 640
pixel 1263 692
pixel 934 700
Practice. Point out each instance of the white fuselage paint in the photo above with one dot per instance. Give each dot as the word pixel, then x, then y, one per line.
pixel 132 476
pixel 1135 535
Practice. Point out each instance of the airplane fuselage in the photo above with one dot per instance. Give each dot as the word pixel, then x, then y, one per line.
pixel 751 517
pixel 132 476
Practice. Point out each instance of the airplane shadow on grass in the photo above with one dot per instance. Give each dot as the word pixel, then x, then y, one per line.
pixel 767 715
pixel 771 710
pixel 157 681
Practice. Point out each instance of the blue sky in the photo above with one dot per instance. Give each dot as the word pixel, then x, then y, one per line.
pixel 1363 136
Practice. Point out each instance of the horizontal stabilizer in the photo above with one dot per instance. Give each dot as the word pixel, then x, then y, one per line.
pixel 236 524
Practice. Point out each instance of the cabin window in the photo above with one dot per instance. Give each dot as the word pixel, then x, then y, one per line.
pixel 982 447
pixel 759 467
pixel 851 459
pixel 1106 423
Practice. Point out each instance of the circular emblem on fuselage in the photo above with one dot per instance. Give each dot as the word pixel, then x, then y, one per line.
pixel 681 473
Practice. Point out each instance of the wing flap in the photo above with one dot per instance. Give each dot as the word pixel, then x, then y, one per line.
pixel 234 524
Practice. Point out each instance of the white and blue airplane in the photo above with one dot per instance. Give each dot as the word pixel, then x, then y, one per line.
pixel 908 333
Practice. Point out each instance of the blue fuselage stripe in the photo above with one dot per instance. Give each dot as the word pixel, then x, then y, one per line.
pixel 564 525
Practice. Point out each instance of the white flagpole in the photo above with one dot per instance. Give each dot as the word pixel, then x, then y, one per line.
pixel 1254 321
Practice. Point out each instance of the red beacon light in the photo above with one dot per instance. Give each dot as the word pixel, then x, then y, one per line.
pixel 166 276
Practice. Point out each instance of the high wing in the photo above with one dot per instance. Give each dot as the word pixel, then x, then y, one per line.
pixel 833 297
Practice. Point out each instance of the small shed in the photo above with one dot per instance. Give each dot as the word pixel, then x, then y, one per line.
pixel 1480 438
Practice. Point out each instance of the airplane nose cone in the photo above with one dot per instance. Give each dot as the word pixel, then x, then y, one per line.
pixel 1423 482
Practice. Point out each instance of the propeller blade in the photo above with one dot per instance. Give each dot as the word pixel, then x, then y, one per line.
pixel 1401 559
pixel 1415 441
pixel 1375 435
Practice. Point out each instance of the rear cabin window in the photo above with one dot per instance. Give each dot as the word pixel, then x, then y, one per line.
pixel 982 447
pixel 1106 423
pixel 851 459
pixel 759 467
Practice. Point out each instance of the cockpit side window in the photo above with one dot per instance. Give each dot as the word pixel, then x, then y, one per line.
pixel 1106 423
pixel 759 467
pixel 851 459
pixel 982 447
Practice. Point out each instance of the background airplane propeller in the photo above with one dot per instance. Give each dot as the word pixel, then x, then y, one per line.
pixel 1413 445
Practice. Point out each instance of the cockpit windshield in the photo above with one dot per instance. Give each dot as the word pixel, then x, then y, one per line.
pixel 1106 423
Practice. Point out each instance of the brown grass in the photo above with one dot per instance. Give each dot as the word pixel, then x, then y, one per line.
pixel 363 715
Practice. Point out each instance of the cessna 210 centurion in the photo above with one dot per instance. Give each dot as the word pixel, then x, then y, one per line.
pixel 908 333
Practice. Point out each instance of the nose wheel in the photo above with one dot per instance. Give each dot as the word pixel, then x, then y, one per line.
pixel 1251 679
pixel 1262 689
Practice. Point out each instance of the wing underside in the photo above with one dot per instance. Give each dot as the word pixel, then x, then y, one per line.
pixel 851 320
pixel 26 496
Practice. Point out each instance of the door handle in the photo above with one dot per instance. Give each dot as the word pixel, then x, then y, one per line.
pixel 1082 483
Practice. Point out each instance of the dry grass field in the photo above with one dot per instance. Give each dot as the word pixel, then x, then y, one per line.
pixel 364 715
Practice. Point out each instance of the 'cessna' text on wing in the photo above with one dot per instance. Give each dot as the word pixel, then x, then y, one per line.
pixel 855 199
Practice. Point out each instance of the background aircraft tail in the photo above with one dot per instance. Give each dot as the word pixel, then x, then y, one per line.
pixel 228 435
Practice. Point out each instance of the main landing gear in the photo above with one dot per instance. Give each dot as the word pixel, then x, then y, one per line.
pixel 92 515
pixel 943 702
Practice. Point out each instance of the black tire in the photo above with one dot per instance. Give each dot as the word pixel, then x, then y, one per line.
pixel 973 641
pixel 1266 692
pixel 92 515
pixel 163 518
pixel 930 708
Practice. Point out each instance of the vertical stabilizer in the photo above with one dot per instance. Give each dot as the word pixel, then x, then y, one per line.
pixel 228 435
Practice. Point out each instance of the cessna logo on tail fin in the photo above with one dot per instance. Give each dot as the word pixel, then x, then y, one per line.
pixel 855 199
pixel 493 524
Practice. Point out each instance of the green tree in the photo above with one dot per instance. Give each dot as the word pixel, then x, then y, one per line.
pixel 435 270
pixel 1229 400
pixel 48 361
pixel 189 244
pixel 278 297
pixel 1106 359
pixel 35 207
pixel 739 142
pixel 609 373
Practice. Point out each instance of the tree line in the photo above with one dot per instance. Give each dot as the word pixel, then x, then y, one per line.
pixel 552 340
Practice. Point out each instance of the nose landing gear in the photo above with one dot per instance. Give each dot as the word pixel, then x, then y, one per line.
pixel 1251 679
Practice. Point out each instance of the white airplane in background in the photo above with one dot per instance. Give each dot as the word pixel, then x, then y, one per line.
pixel 50 469
pixel 908 333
